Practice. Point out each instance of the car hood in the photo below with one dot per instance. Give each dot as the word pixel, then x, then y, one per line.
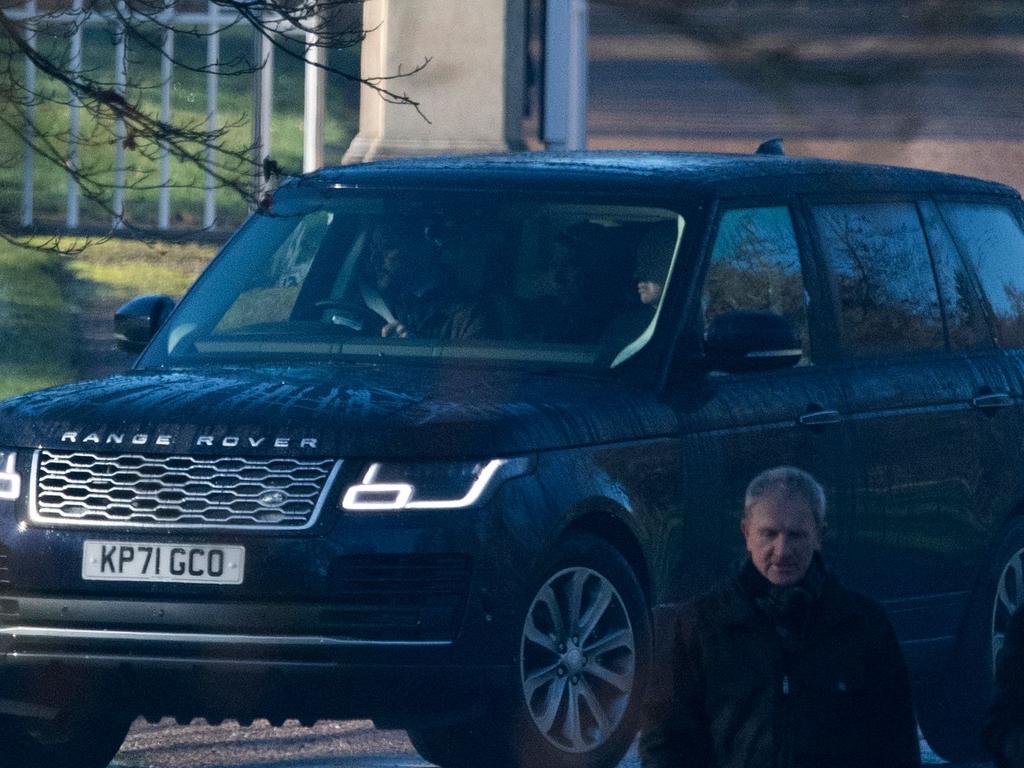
pixel 368 411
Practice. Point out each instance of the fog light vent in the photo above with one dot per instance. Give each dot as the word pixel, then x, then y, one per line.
pixel 5 573
pixel 412 597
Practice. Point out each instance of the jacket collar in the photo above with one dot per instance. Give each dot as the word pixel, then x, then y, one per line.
pixel 833 605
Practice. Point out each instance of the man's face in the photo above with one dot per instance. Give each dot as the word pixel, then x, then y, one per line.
pixel 395 261
pixel 781 537
pixel 388 266
pixel 649 291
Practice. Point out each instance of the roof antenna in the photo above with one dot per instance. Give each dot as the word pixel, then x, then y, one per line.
pixel 771 147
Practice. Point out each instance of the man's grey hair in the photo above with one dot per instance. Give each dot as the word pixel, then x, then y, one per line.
pixel 788 481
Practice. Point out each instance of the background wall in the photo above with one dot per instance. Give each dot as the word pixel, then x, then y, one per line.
pixel 929 83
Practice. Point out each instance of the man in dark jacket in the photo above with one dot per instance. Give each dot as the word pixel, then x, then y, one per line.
pixel 781 667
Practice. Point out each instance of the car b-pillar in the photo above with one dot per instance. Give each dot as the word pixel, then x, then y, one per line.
pixel 472 90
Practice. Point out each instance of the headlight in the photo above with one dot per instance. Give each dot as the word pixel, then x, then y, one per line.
pixel 10 480
pixel 429 486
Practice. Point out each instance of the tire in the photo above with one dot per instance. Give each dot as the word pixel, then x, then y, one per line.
pixel 951 710
pixel 73 740
pixel 584 657
pixel 466 745
pixel 571 704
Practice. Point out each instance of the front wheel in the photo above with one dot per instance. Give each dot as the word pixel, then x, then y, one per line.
pixel 584 655
pixel 86 739
pixel 583 658
pixel 952 710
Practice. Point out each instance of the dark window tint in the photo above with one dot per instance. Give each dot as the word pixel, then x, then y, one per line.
pixel 991 238
pixel 965 320
pixel 755 265
pixel 882 276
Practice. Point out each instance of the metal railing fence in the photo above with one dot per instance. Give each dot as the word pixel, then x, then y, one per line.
pixel 213 20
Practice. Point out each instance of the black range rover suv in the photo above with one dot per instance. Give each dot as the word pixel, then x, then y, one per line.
pixel 430 440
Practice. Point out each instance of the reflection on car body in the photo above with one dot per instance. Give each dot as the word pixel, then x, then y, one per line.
pixel 418 447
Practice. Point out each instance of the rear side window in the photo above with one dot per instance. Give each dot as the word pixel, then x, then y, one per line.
pixel 965 318
pixel 882 277
pixel 755 265
pixel 990 236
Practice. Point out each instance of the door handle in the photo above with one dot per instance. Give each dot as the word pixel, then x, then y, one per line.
pixel 820 418
pixel 994 400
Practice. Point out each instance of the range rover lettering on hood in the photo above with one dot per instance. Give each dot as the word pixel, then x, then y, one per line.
pixel 210 441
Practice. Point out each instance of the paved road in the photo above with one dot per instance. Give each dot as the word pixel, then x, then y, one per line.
pixel 333 744
pixel 338 744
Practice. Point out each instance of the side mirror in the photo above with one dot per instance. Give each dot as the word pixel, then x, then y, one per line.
pixel 138 321
pixel 747 340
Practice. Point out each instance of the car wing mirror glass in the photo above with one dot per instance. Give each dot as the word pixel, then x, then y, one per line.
pixel 138 321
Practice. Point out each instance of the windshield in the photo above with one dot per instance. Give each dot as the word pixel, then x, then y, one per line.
pixel 432 276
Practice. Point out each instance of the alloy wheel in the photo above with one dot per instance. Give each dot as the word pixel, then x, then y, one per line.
pixel 1008 598
pixel 578 659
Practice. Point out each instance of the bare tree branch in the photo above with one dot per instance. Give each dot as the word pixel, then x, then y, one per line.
pixel 118 115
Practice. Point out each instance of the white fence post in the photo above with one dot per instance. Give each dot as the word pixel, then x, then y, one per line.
pixel 120 86
pixel 313 110
pixel 75 65
pixel 163 217
pixel 28 174
pixel 565 75
pixel 262 108
pixel 212 65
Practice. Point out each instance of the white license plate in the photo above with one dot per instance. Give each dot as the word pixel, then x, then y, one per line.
pixel 194 563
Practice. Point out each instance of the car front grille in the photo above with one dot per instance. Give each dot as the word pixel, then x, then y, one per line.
pixel 134 490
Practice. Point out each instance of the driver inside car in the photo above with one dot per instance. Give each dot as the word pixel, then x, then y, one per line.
pixel 414 294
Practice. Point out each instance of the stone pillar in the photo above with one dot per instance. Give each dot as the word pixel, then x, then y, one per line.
pixel 472 91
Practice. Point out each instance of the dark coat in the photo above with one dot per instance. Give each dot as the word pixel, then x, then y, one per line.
pixel 1004 726
pixel 735 693
pixel 435 312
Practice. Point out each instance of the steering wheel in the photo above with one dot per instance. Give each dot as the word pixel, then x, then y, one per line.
pixel 345 314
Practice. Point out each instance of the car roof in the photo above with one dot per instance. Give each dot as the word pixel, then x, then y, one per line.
pixel 648 172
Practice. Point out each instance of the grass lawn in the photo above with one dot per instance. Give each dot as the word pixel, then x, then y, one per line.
pixel 188 106
pixel 119 270
pixel 34 324
pixel 55 309
pixel 45 299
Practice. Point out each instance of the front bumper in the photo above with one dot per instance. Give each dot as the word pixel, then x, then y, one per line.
pixel 220 674
pixel 405 619
pixel 191 631
pixel 152 653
